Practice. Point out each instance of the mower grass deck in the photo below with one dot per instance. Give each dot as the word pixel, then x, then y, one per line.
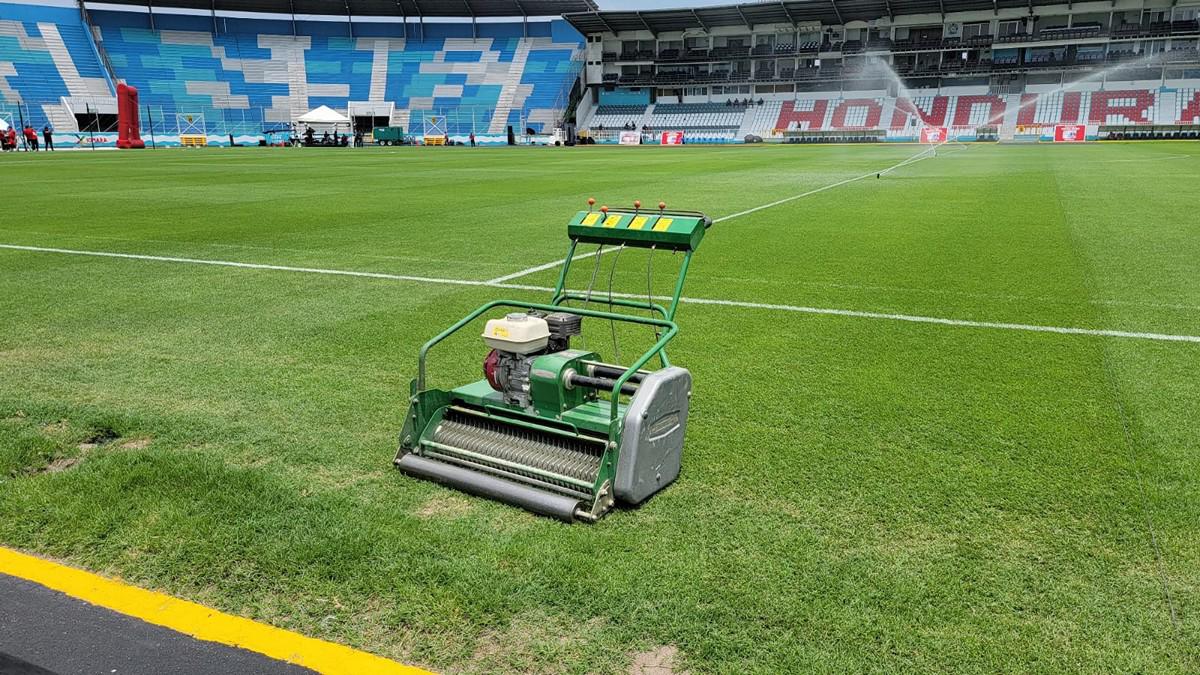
pixel 591 416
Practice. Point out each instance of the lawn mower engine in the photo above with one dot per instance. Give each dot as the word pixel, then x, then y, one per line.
pixel 551 428
pixel 515 341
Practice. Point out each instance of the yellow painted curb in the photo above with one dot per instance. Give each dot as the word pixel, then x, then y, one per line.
pixel 198 621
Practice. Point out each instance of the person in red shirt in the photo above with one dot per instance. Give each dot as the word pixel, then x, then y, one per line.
pixel 12 139
pixel 31 138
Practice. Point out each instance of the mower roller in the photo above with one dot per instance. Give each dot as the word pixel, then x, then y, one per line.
pixel 550 428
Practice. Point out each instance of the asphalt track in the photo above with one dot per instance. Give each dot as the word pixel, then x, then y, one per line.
pixel 45 632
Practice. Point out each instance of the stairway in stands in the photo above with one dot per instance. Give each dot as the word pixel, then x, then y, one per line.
pixel 60 115
pixel 1008 129
pixel 512 81
pixel 644 120
pixel 379 68
pixel 760 120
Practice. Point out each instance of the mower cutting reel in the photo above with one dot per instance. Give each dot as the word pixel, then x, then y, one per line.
pixel 550 428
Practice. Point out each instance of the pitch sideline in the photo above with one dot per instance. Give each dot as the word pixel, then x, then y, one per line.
pixel 829 311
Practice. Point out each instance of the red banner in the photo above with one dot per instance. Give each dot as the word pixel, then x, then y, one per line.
pixel 933 135
pixel 672 138
pixel 1070 133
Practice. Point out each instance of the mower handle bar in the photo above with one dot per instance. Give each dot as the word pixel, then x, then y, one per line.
pixel 658 346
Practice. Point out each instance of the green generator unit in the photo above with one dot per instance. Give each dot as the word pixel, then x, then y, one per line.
pixel 388 135
pixel 551 427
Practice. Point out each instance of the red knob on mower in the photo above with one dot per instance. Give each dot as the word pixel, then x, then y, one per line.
pixel 637 203
pixel 604 209
pixel 662 205
pixel 591 202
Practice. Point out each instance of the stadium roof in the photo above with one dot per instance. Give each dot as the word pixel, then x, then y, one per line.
pixel 414 8
pixel 832 12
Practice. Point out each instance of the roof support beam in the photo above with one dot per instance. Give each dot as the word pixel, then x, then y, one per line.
pixel 788 14
pixel 150 10
pixel 604 21
pixel 891 14
pixel 653 33
pixel 292 7
pixel 700 21
pixel 212 7
pixel 349 21
pixel 744 19
pixel 838 12
pixel 474 26
pixel 942 6
pixel 995 8
pixel 524 19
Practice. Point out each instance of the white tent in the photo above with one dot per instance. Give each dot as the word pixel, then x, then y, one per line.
pixel 323 115
pixel 3 125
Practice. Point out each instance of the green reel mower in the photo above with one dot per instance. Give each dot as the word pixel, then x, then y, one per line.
pixel 554 429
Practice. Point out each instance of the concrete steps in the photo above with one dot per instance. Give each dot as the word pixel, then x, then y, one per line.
pixel 504 104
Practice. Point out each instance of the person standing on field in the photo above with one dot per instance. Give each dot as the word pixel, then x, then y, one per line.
pixel 48 137
pixel 31 138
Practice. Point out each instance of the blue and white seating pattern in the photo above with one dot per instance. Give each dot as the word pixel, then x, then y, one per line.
pixel 480 85
pixel 44 65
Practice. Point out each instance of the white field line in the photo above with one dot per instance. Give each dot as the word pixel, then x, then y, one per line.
pixel 1145 159
pixel 924 154
pixel 540 268
pixel 250 266
pixel 996 325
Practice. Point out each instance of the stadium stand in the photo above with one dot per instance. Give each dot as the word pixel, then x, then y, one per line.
pixel 482 84
pixel 980 72
pixel 237 75
pixel 695 116
pixel 46 62
pixel 803 66
pixel 618 116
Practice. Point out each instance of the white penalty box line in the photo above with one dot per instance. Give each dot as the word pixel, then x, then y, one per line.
pixel 859 314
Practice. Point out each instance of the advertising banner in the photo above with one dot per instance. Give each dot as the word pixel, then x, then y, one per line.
pixel 631 138
pixel 933 135
pixel 1070 133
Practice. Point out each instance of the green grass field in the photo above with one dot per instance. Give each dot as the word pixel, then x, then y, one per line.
pixel 859 493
